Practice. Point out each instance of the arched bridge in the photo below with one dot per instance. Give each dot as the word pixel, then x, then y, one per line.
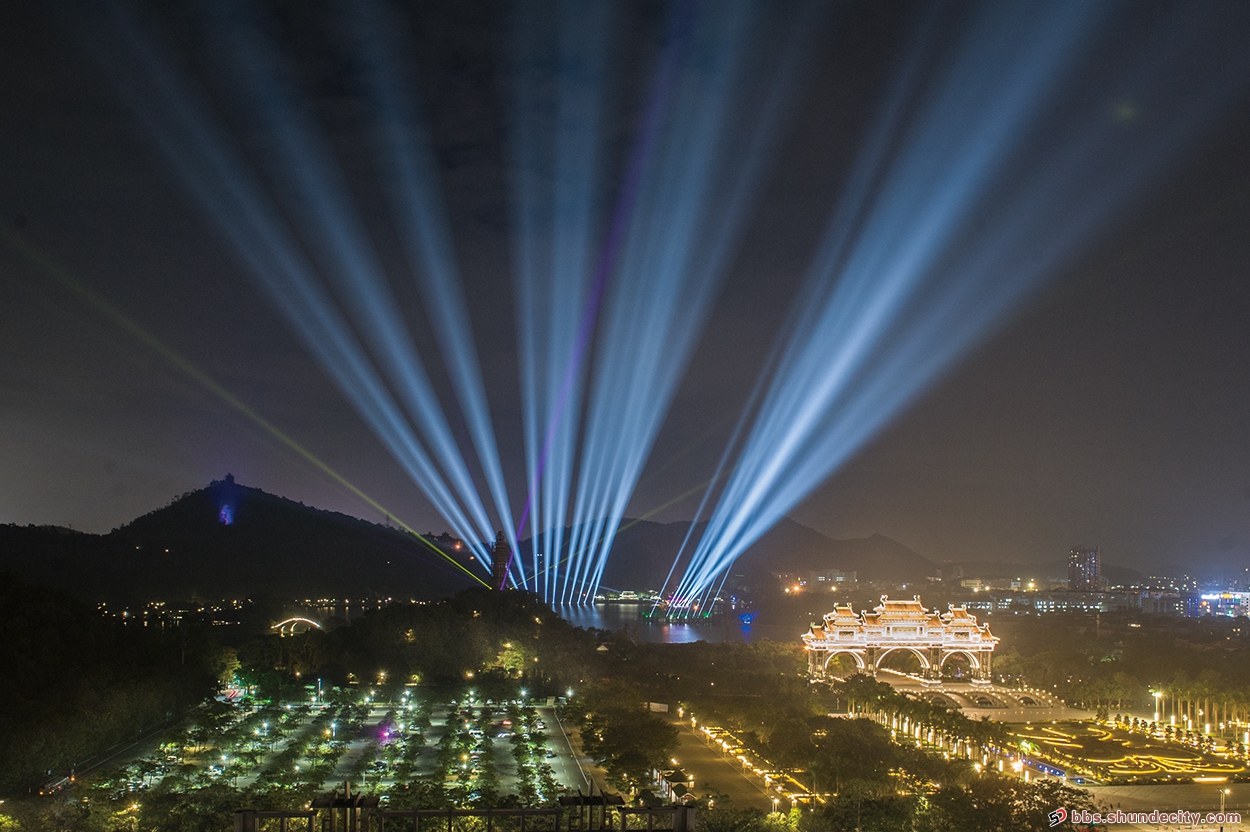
pixel 296 624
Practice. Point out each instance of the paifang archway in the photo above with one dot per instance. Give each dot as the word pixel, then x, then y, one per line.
pixel 869 636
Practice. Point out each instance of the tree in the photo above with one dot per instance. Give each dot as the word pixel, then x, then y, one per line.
pixel 790 743
pixel 725 819
pixel 621 735
pixel 998 804
pixel 854 751
pixel 865 810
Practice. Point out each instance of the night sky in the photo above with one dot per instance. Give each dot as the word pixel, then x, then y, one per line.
pixel 1112 408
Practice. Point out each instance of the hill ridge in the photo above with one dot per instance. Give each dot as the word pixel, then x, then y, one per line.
pixel 269 544
pixel 231 540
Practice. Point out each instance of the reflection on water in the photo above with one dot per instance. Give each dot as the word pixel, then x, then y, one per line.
pixel 348 611
pixel 628 617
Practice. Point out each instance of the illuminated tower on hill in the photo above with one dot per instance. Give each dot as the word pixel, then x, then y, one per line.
pixel 1083 569
pixel 500 556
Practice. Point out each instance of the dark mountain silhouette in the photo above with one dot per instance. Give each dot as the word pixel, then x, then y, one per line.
pixel 271 546
pixel 279 548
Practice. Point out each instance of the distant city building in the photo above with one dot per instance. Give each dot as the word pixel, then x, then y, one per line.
pixel 1155 602
pixel 831 577
pixel 1163 602
pixel 986 584
pixel 1231 604
pixel 1084 569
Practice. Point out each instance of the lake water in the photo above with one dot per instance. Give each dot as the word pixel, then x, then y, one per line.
pixel 628 617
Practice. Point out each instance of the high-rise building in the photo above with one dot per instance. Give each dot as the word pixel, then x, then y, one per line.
pixel 1084 569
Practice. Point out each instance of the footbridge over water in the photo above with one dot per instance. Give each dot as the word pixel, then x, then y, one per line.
pixel 295 624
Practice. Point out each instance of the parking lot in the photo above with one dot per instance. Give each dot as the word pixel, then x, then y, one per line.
pixel 411 747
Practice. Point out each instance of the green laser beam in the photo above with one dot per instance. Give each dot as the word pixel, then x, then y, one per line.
pixel 63 276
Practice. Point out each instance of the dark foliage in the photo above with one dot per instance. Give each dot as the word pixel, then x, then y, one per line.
pixel 78 684
pixel 499 640
pixel 620 733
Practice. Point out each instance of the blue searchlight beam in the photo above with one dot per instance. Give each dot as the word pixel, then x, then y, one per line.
pixel 1011 162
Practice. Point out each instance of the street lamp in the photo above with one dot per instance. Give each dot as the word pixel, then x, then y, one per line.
pixel 776 800
pixel 1157 695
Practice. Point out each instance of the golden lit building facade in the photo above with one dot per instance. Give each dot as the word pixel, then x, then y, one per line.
pixel 868 637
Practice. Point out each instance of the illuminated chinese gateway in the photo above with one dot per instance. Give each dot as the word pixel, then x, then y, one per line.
pixel 868 637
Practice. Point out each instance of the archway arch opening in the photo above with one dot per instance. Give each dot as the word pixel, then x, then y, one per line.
pixel 844 663
pixel 959 666
pixel 903 660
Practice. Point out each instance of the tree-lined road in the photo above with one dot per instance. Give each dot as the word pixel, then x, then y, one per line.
pixel 713 771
